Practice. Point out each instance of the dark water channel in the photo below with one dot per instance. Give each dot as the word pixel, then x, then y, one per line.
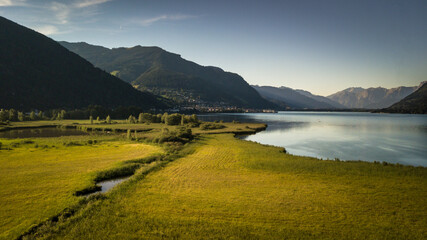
pixel 41 132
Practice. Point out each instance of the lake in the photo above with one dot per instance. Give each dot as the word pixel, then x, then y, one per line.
pixel 393 138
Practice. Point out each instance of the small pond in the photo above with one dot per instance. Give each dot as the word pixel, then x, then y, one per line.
pixel 41 132
pixel 108 184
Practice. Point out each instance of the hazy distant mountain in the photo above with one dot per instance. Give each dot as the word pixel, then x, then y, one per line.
pixel 294 99
pixel 371 98
pixel 38 73
pixel 321 99
pixel 414 103
pixel 165 73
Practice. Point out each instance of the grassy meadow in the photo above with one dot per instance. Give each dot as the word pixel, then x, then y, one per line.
pixel 214 187
pixel 233 189
pixel 40 176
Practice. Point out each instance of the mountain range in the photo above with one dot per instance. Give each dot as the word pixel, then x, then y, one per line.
pixel 414 103
pixel 288 98
pixel 169 75
pixel 322 99
pixel 350 98
pixel 38 73
pixel 371 98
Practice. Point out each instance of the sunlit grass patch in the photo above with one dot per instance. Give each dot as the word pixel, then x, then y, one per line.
pixel 39 178
pixel 229 188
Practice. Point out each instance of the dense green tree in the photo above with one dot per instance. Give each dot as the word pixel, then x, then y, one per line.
pixel 164 117
pixel 91 119
pixel 158 118
pixel 62 114
pixel 149 118
pixel 180 134
pixel 173 119
pixel 108 119
pixel 131 119
pixel 40 115
pixel 12 115
pixel 182 120
pixel 21 116
pixel 194 118
pixel 32 116
pixel 4 115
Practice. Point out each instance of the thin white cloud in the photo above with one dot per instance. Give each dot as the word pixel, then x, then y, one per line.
pixel 61 12
pixel 11 3
pixel 150 21
pixel 88 3
pixel 53 17
pixel 6 3
pixel 47 30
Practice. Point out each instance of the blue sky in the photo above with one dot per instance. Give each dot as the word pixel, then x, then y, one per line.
pixel 322 46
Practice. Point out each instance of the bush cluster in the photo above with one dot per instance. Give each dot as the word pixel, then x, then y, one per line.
pixel 168 119
pixel 211 126
pixel 181 134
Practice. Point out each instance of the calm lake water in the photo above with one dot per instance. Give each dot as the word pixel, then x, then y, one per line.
pixel 41 132
pixel 394 138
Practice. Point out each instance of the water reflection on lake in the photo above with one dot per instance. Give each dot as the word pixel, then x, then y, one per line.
pixel 41 132
pixel 395 138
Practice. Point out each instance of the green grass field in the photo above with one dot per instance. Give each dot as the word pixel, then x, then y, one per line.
pixel 218 187
pixel 39 176
pixel 38 179
pixel 233 189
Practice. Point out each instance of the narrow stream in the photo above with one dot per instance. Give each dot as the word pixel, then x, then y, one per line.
pixel 108 184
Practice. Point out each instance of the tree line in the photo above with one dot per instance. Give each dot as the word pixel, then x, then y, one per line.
pixel 14 115
pixel 166 118
pixel 99 112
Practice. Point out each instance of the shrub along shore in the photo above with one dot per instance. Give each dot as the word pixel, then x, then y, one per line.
pixel 188 183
